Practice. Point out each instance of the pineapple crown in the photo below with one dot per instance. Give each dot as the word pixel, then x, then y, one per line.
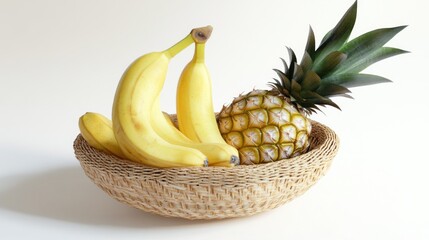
pixel 335 65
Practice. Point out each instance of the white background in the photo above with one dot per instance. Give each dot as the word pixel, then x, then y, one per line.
pixel 59 59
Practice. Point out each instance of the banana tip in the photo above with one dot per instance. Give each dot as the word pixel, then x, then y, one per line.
pixel 235 160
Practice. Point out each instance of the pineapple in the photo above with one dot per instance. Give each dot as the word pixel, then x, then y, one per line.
pixel 269 125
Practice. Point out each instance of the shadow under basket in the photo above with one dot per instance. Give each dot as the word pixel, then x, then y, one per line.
pixel 210 192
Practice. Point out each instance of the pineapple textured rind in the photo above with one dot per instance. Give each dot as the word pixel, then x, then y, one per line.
pixel 264 127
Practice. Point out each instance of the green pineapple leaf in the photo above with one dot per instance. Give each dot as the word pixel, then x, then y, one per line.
pixel 362 47
pixel 326 37
pixel 292 61
pixel 335 65
pixel 314 99
pixel 377 55
pixel 311 43
pixel 306 62
pixel 277 85
pixel 337 36
pixel 370 40
pixel 285 66
pixel 285 82
pixel 330 89
pixel 298 75
pixel 349 80
pixel 296 89
pixel 311 81
pixel 329 63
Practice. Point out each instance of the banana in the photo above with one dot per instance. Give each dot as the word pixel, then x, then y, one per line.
pixel 135 95
pixel 96 129
pixel 217 154
pixel 195 114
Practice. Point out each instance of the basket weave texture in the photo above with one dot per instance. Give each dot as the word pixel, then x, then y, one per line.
pixel 209 192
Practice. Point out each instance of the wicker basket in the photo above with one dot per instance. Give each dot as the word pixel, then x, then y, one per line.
pixel 209 192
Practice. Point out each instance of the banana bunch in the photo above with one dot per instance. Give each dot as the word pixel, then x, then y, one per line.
pixel 141 132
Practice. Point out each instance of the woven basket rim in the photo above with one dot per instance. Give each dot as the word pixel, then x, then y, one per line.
pixel 324 142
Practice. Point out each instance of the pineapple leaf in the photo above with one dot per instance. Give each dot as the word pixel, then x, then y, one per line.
pixel 331 89
pixel 298 75
pixel 311 81
pixel 279 87
pixel 326 37
pixel 338 35
pixel 292 56
pixel 370 40
pixel 285 66
pixel 296 90
pixel 345 95
pixel 308 104
pixel 375 56
pixel 331 103
pixel 364 46
pixel 349 80
pixel 335 65
pixel 329 63
pixel 318 100
pixel 285 82
pixel 306 62
pixel 292 60
pixel 311 95
pixel 311 45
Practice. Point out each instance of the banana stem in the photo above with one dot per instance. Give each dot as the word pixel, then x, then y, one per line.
pixel 199 54
pixel 178 47
pixel 197 35
pixel 201 35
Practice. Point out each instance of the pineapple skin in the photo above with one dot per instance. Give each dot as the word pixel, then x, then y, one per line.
pixel 264 126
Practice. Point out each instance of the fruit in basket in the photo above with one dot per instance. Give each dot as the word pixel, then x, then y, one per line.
pixel 132 117
pixel 96 129
pixel 268 125
pixel 195 114
pixel 218 153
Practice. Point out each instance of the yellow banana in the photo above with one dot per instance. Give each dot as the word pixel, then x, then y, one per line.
pixel 96 129
pixel 217 154
pixel 195 114
pixel 131 114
